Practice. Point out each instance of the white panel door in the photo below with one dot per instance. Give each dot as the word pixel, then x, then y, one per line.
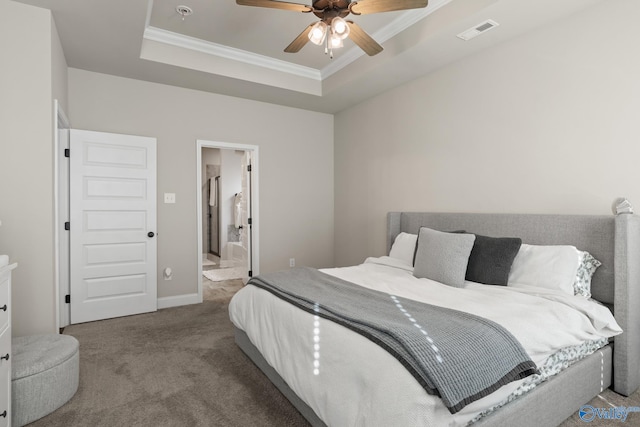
pixel 113 225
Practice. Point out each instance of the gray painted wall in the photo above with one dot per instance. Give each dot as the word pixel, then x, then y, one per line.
pixel 545 123
pixel 296 165
pixel 33 71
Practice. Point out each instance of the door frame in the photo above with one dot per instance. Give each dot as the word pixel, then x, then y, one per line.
pixel 60 216
pixel 255 222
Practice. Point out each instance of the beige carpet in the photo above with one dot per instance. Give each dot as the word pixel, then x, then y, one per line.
pixel 181 367
pixel 220 291
pixel 176 367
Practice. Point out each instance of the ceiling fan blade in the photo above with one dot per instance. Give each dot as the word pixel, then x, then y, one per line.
pixel 273 4
pixel 299 41
pixel 363 40
pixel 365 7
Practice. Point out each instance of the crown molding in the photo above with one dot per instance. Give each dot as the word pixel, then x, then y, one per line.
pixel 401 23
pixel 186 42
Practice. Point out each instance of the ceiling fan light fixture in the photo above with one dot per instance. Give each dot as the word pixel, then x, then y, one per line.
pixel 331 14
pixel 318 33
pixel 335 41
pixel 340 28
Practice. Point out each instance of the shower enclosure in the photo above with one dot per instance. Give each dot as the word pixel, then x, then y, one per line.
pixel 212 198
pixel 214 217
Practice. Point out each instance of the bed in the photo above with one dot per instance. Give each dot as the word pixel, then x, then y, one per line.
pixel 613 240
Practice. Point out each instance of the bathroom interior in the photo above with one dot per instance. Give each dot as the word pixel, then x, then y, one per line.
pixel 225 207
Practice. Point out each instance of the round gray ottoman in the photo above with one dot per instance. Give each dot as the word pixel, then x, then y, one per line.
pixel 44 375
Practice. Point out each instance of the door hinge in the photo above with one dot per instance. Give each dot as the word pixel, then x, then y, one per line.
pixel 67 299
pixel 67 152
pixel 67 226
pixel 250 273
pixel 248 168
pixel 249 221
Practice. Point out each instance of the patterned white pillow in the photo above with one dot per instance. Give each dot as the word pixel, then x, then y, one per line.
pixel 586 267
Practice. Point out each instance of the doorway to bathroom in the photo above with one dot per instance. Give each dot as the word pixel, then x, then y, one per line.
pixel 227 217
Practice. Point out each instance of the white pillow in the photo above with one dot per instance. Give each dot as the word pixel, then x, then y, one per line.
pixel 404 247
pixel 551 267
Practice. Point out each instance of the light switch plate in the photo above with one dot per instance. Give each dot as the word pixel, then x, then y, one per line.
pixel 169 197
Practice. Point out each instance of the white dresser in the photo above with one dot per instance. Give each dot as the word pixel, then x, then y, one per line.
pixel 5 341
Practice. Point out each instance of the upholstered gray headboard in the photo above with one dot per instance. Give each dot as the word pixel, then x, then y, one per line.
pixel 613 240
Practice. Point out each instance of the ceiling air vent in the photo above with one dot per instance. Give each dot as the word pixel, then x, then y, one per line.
pixel 483 27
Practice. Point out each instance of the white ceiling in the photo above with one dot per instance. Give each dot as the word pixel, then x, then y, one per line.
pixel 238 50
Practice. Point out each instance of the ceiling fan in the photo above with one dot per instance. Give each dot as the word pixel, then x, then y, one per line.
pixel 332 28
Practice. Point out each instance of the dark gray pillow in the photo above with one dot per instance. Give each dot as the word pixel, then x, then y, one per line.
pixel 443 257
pixel 491 259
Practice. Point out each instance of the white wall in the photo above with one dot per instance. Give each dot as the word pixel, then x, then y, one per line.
pixel 296 165
pixel 58 69
pixel 546 123
pixel 32 71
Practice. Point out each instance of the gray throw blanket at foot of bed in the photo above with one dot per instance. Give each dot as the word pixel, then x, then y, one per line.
pixel 455 355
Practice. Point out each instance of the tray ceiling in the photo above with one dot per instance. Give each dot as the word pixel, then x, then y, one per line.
pixel 238 50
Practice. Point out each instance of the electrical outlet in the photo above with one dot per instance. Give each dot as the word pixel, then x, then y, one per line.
pixel 292 262
pixel 169 197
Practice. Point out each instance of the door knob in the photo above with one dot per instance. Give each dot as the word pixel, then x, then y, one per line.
pixel 150 234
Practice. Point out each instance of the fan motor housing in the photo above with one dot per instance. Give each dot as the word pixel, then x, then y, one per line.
pixel 329 9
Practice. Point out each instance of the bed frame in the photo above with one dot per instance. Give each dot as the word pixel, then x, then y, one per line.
pixel 613 240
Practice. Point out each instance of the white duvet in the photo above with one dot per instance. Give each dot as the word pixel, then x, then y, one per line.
pixel 350 381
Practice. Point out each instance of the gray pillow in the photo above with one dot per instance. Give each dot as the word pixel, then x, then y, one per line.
pixel 415 251
pixel 443 257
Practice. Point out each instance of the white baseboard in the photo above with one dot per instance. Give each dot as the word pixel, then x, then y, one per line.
pixel 178 300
